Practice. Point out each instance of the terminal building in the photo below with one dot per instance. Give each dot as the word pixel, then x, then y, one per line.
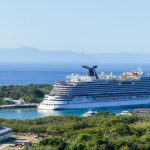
pixel 5 133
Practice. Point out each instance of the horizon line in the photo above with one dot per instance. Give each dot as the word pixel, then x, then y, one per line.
pixel 71 51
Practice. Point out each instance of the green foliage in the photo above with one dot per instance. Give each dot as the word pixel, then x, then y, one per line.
pixel 99 132
pixel 56 143
pixel 30 93
pixel 87 141
pixel 123 129
pixel 3 102
pixel 145 138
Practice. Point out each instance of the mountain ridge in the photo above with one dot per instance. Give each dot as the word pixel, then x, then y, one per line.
pixel 34 55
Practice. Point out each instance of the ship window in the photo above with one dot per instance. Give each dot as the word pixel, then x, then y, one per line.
pixel 126 82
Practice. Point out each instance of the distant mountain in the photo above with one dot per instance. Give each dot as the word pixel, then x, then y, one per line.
pixel 28 54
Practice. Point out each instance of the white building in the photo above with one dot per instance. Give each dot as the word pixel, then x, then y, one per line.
pixel 5 133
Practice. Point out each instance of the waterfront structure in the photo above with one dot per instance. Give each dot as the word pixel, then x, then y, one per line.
pixel 99 90
pixel 15 106
pixel 25 142
pixel 89 113
pixel 142 111
pixel 125 113
pixel 17 102
pixel 5 133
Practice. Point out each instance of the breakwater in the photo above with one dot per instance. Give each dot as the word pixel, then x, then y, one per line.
pixel 14 106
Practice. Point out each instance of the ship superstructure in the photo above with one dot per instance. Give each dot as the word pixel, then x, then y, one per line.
pixel 99 90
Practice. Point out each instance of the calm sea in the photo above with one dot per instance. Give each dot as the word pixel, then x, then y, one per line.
pixel 24 74
pixel 32 113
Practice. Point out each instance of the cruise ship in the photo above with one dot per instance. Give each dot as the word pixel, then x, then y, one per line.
pixel 99 90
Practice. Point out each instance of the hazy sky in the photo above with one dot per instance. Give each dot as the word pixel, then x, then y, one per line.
pixel 76 25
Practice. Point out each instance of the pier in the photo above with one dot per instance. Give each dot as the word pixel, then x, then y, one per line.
pixel 142 111
pixel 14 106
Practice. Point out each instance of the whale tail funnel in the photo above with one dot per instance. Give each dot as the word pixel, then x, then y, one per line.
pixel 92 71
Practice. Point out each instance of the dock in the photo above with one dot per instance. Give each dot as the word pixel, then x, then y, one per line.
pixel 14 106
pixel 142 111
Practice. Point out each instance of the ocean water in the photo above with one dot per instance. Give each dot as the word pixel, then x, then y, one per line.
pixel 24 74
pixel 32 113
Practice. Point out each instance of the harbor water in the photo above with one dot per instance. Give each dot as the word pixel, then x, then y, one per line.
pixel 33 113
pixel 24 74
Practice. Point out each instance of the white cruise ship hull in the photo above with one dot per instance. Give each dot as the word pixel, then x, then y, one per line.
pixel 95 104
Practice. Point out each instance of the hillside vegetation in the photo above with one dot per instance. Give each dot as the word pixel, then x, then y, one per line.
pixel 30 93
pixel 103 131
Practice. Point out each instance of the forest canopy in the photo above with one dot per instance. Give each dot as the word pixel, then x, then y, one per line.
pixel 103 131
pixel 31 93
